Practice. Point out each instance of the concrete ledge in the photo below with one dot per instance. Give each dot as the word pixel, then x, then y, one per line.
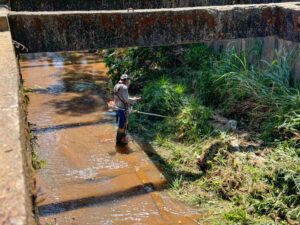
pixel 15 201
pixel 60 5
pixel 3 20
pixel 58 31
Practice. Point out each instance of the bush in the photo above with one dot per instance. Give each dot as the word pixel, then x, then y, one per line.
pixel 142 64
pixel 192 122
pixel 162 97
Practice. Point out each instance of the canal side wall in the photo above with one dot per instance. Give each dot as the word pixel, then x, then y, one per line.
pixel 58 31
pixel 58 5
pixel 79 30
pixel 15 155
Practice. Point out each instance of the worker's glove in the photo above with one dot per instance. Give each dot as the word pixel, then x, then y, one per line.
pixel 137 99
pixel 131 110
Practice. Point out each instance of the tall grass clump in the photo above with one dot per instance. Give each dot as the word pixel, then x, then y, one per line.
pixel 265 96
pixel 191 122
pixel 163 97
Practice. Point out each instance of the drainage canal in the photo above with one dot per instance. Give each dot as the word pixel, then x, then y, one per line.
pixel 85 180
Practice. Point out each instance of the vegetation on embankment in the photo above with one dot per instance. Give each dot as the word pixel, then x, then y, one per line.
pixel 250 175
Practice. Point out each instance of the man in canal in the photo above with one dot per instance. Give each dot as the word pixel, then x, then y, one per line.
pixel 123 103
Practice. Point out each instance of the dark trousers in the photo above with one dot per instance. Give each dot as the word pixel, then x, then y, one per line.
pixel 122 120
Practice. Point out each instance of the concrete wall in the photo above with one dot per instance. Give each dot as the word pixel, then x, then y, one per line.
pixel 58 31
pixel 79 30
pixel 52 5
pixel 15 161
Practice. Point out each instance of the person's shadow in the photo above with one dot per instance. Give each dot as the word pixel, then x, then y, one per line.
pixel 123 149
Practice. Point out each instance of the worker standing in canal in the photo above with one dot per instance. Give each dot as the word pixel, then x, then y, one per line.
pixel 123 103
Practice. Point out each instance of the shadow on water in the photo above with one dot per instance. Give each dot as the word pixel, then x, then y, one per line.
pixel 88 88
pixel 76 106
pixel 68 126
pixel 93 201
pixel 74 82
pixel 81 82
pixel 64 64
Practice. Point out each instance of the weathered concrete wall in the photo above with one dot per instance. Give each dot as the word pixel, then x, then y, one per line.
pixel 15 200
pixel 4 26
pixel 58 31
pixel 56 5
pixel 288 22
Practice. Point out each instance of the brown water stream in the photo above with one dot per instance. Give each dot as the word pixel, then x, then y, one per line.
pixel 86 181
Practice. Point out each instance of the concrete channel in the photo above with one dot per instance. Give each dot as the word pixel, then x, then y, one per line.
pixel 276 24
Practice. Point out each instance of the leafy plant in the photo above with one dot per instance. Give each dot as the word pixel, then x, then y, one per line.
pixel 237 216
pixel 192 121
pixel 162 96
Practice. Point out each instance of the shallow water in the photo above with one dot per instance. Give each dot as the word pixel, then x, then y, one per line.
pixel 86 179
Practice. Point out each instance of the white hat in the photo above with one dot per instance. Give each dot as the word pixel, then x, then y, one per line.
pixel 124 77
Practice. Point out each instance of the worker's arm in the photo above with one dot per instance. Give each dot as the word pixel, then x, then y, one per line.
pixel 123 92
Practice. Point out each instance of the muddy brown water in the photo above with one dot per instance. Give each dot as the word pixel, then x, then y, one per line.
pixel 86 180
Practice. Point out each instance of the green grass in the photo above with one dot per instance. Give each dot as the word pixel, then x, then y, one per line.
pixel 258 183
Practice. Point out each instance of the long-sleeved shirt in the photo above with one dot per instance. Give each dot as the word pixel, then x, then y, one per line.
pixel 121 96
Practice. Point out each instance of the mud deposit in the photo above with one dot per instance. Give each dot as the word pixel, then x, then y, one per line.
pixel 86 180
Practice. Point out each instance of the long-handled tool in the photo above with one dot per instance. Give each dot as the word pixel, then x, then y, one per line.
pixel 149 114
pixel 112 106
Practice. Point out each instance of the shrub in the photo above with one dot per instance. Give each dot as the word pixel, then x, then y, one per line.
pixel 163 97
pixel 192 122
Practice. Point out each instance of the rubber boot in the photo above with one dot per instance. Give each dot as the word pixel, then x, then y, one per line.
pixel 121 139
